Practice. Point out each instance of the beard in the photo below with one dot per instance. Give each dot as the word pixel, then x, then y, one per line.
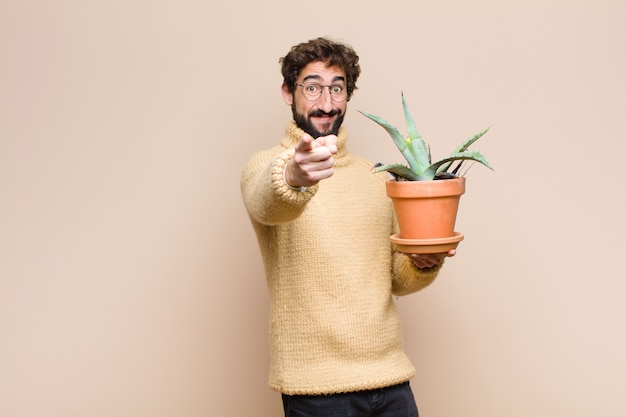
pixel 304 122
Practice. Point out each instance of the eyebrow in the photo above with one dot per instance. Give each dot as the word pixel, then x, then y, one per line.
pixel 319 78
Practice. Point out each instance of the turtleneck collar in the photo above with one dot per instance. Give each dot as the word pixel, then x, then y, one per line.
pixel 293 135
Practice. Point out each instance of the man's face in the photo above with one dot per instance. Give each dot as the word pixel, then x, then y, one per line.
pixel 322 116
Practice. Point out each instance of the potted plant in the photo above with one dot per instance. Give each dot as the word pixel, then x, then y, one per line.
pixel 425 194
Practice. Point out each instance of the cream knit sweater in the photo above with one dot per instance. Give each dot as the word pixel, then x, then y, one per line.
pixel 331 272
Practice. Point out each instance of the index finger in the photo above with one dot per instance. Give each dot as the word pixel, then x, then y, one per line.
pixel 305 144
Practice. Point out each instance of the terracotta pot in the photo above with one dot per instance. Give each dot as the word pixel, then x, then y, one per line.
pixel 426 209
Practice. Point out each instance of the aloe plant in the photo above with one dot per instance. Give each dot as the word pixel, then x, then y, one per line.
pixel 417 153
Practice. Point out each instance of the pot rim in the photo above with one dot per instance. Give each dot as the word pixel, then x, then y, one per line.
pixel 432 188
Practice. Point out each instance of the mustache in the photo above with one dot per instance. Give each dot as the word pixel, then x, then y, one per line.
pixel 320 113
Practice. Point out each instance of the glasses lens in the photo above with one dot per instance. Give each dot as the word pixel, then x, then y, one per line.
pixel 338 92
pixel 312 91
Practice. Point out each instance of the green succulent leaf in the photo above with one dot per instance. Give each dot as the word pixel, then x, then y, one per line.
pixel 439 166
pixel 463 147
pixel 467 142
pixel 400 170
pixel 401 142
pixel 419 149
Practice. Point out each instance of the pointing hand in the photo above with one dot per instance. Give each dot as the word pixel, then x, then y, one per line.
pixel 312 161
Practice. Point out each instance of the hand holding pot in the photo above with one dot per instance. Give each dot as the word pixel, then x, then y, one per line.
pixel 428 260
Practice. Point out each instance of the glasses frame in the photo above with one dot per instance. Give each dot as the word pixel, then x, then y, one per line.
pixel 332 97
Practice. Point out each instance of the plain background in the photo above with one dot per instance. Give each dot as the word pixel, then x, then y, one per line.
pixel 130 279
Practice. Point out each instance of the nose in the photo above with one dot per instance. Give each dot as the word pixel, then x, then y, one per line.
pixel 325 103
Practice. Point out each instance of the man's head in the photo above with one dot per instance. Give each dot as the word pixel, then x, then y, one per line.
pixel 319 78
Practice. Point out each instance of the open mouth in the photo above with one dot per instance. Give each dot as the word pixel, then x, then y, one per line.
pixel 324 119
pixel 323 123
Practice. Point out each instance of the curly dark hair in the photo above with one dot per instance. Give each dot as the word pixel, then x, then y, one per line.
pixel 323 50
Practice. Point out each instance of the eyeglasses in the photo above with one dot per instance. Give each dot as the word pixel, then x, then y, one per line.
pixel 313 91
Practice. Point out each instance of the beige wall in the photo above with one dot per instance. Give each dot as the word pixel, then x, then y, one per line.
pixel 130 280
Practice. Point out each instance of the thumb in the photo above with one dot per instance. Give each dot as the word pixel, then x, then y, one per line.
pixel 330 142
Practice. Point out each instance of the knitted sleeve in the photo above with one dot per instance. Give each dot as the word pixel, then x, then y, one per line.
pixel 407 278
pixel 265 193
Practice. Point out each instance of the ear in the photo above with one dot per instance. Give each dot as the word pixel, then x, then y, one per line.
pixel 287 96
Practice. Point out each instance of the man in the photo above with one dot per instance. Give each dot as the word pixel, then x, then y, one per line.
pixel 323 222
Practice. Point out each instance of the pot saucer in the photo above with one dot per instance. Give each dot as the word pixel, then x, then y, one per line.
pixel 440 245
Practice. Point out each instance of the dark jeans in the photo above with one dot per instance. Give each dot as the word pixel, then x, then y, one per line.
pixel 394 401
